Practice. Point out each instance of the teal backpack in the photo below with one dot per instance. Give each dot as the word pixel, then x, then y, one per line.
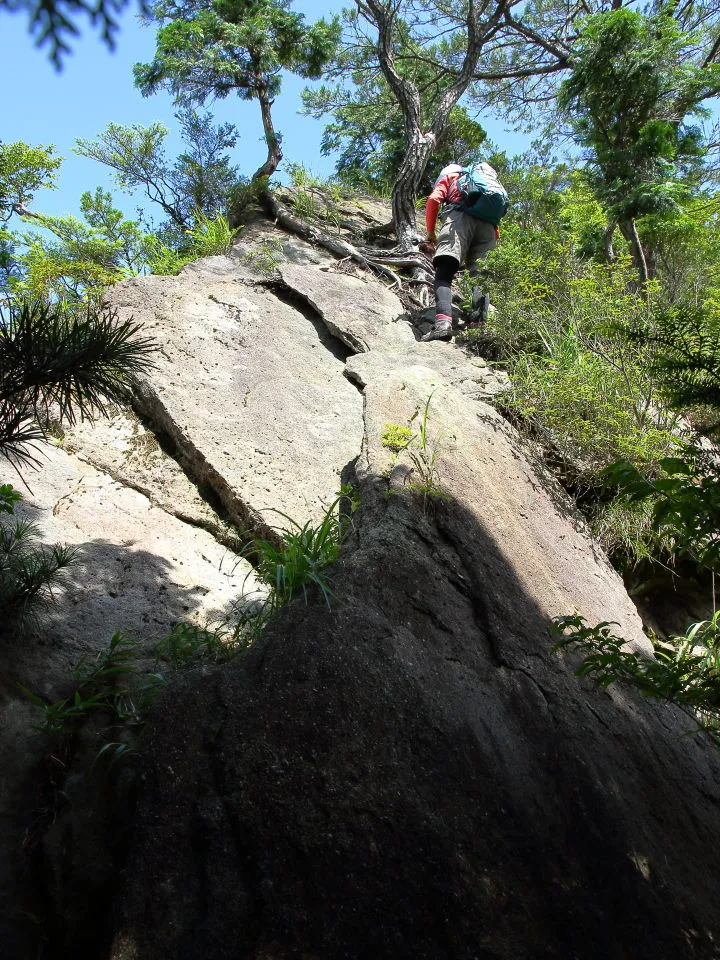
pixel 483 196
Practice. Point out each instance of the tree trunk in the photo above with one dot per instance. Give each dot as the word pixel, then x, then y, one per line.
pixel 628 229
pixel 406 187
pixel 419 145
pixel 607 242
pixel 272 138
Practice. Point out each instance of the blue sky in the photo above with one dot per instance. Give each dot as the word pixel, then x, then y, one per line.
pixel 95 88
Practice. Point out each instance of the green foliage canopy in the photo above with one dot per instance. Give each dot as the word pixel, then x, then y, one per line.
pixel 54 22
pixel 74 258
pixel 367 127
pixel 210 50
pixel 200 180
pixel 633 88
pixel 23 171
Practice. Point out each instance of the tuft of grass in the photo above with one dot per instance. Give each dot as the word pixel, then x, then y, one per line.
pixel 210 236
pixel 111 685
pixel 265 255
pixel 188 644
pixel 423 453
pixel 304 553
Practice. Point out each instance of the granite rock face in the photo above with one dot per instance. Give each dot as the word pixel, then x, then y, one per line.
pixel 405 771
pixel 249 388
pixel 410 772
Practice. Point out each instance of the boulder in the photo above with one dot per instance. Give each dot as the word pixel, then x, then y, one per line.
pixel 249 388
pixel 409 771
pixel 402 768
pixel 359 311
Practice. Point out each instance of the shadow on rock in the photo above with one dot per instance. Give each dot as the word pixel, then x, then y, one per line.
pixel 412 774
pixel 63 828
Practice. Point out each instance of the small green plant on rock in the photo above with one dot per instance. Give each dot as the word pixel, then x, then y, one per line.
pixel 265 255
pixel 395 437
pixel 120 687
pixel 423 453
pixel 188 644
pixel 112 685
pixel 303 553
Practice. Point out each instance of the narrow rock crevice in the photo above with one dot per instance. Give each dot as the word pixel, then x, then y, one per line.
pixel 294 299
pixel 205 490
pixel 469 586
pixel 207 479
pixel 226 537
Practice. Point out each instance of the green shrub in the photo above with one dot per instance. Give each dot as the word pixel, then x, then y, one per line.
pixel 685 672
pixel 303 553
pixel 590 406
pixel 628 534
pixel 683 497
pixel 28 570
pixel 208 237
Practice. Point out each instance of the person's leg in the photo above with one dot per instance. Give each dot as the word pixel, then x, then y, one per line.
pixel 482 242
pixel 445 270
pixel 451 247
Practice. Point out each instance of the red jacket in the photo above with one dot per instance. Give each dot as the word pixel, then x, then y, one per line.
pixel 444 191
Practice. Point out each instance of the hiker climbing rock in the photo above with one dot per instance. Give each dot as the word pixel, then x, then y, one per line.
pixel 474 201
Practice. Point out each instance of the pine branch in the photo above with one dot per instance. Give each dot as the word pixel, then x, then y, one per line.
pixel 51 357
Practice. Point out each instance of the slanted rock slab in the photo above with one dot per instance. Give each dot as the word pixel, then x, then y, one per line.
pixel 122 447
pixel 249 388
pixel 410 772
pixel 358 310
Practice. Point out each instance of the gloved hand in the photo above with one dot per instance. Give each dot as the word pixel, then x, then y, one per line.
pixel 429 244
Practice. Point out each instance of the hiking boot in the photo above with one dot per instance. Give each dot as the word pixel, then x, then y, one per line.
pixel 442 330
pixel 480 307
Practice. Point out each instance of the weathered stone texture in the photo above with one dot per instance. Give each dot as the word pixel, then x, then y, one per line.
pixel 407 770
pixel 411 773
pixel 246 386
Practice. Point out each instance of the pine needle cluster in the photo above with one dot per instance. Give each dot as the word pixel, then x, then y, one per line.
pixel 73 361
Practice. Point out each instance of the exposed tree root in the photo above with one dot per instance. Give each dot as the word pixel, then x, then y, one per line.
pixel 378 230
pixel 378 261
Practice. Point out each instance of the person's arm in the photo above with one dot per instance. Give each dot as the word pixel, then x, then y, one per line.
pixel 432 208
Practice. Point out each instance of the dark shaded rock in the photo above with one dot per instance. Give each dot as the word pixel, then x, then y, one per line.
pixel 411 773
